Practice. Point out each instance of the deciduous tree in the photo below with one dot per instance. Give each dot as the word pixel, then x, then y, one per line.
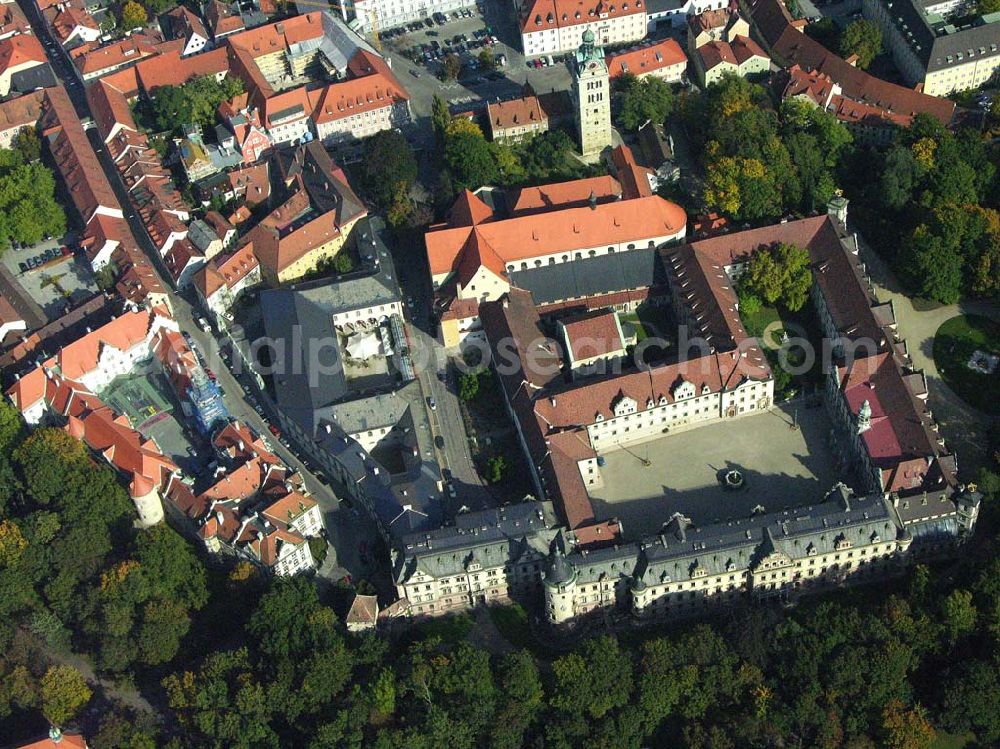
pixel 862 38
pixel 63 691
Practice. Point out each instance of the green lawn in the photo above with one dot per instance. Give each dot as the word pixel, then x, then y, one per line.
pixel 952 741
pixel 512 622
pixel 757 322
pixel 954 343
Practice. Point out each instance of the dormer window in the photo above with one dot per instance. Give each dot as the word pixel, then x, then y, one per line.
pixel 598 417
pixel 663 400
pixel 649 403
pixel 811 550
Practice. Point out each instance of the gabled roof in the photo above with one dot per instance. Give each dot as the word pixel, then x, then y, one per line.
pixel 649 59
pixel 514 113
pixel 560 231
pixel 551 14
pixel 69 19
pixel 791 45
pixel 170 69
pixel 82 355
pixel 20 50
pixel 469 210
pixel 21 111
pixel 571 194
pixel 185 23
pixel 110 108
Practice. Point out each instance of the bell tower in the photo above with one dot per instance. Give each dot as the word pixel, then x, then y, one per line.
pixel 591 98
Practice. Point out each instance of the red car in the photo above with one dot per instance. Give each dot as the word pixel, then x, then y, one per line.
pixel 65 251
pixel 210 373
pixel 274 430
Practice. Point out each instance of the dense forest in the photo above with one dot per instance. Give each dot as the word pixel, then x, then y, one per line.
pixel 231 660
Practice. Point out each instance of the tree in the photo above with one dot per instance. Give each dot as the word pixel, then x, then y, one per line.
pixel 468 386
pixel 26 143
pixel 470 159
pixel 496 466
pixel 643 100
pixel 384 694
pixel 959 614
pixel 64 691
pixel 985 7
pixel 133 15
pixel 194 102
pixel 486 59
pixel 28 208
pixel 594 681
pixel 862 38
pixel 388 167
pixel 440 118
pixel 906 729
pixel 934 268
pixel 780 273
pixel 451 66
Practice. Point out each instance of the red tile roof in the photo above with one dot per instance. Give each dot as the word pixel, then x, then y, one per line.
pixel 373 87
pixel 109 107
pixel 573 194
pixel 469 210
pixel 791 45
pixel 21 111
pixel 91 59
pixel 20 49
pixel 646 60
pixel 550 14
pixel 75 159
pixel 559 231
pixel 634 179
pixel 593 334
pixel 515 113
pixel 717 52
pixel 71 18
pixel 66 741
pixel 170 69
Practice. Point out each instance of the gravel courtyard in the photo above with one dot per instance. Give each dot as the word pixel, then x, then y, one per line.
pixel 784 468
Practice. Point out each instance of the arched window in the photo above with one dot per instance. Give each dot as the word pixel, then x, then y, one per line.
pixel 593 253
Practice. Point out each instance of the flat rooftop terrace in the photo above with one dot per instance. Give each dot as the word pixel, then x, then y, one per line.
pixel 783 467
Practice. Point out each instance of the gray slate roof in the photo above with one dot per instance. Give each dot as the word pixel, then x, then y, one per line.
pixel 604 274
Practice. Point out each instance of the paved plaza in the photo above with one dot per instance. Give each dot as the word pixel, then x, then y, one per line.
pixel 784 468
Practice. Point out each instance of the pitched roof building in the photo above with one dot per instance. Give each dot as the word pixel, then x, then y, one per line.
pixel 789 45
pixel 664 59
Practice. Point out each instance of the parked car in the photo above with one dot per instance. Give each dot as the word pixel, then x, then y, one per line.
pixel 23 267
pixel 439 442
pixel 432 403
pixel 414 73
pixel 274 430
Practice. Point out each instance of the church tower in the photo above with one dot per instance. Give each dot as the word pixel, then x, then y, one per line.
pixel 591 97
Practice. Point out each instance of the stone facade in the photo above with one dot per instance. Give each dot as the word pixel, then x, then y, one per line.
pixel 592 97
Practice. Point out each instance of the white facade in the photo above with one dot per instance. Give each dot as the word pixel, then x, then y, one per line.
pixel 390 13
pixel 363 124
pixel 293 559
pixel 550 38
